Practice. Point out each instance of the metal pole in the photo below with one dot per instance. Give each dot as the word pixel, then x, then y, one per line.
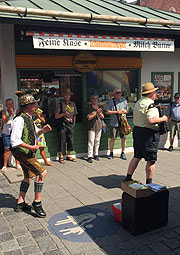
pixel 51 13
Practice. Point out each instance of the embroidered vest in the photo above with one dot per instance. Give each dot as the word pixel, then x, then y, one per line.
pixel 28 134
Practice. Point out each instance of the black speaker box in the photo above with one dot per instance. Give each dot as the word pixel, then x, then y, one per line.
pixel 140 215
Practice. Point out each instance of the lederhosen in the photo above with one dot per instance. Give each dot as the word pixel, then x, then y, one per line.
pixel 31 167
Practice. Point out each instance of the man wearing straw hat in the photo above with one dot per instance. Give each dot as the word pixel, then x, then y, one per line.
pixel 145 132
pixel 66 112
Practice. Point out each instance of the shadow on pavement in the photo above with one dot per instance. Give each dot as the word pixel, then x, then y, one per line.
pixel 109 181
pixel 7 201
pixel 95 223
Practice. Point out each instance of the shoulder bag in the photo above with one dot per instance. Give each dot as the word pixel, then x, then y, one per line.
pixel 123 124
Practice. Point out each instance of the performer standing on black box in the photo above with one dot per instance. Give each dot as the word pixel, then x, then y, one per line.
pixel 145 132
pixel 23 142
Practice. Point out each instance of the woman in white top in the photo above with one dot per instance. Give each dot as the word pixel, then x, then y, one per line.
pixel 7 117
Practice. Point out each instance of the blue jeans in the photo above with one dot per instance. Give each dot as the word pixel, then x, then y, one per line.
pixel 6 141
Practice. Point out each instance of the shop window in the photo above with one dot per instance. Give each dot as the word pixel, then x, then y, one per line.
pixel 103 83
pixel 48 87
pixel 164 81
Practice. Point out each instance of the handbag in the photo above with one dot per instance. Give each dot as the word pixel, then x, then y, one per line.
pixel 104 127
pixel 125 128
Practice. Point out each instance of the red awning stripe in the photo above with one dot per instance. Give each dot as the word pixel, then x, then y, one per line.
pixel 30 33
pixel 29 79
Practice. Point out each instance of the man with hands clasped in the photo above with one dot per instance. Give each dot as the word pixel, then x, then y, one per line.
pixel 23 142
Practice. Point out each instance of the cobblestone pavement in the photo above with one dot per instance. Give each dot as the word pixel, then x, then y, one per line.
pixel 86 192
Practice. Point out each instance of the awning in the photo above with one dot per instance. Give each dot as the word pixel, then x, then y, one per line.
pixel 96 42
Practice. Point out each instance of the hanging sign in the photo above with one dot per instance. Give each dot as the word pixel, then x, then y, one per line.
pixel 88 42
pixel 84 62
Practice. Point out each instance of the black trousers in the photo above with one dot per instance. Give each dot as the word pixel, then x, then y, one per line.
pixel 65 136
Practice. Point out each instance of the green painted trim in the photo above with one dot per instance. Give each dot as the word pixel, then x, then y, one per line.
pixel 139 85
pixel 178 82
pixel 84 95
pixel 18 79
pixel 172 80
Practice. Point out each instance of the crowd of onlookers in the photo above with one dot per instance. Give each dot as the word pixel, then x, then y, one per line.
pixel 65 118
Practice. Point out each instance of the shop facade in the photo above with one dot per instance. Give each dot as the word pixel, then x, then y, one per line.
pixel 87 63
pixel 43 73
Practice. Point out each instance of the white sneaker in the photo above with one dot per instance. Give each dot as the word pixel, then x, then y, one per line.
pixel 19 167
pixel 3 169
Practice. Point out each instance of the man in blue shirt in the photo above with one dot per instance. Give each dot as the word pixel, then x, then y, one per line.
pixel 173 113
pixel 116 106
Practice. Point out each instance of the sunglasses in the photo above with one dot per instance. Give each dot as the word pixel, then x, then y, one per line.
pixel 118 93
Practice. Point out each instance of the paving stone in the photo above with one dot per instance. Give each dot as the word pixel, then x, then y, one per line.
pixel 19 231
pixel 13 217
pixel 16 223
pixel 30 221
pixel 16 252
pixel 144 251
pixel 9 213
pixel 127 244
pixel 65 251
pixel 94 252
pixel 10 246
pixel 31 250
pixel 38 233
pixel 4 228
pixel 46 244
pixel 6 237
pixel 25 240
pixel 53 252
pixel 169 234
pixel 159 247
pixel 177 230
pixel 32 226
pixel 173 243
pixel 170 253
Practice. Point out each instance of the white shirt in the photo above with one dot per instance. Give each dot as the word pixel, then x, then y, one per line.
pixel 7 125
pixel 17 130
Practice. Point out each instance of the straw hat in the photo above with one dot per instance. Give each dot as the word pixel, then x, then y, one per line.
pixel 19 93
pixel 148 88
pixel 67 91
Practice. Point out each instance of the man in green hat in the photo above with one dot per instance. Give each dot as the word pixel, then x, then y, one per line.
pixel 23 142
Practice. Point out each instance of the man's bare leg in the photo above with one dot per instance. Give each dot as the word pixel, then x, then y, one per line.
pixel 132 167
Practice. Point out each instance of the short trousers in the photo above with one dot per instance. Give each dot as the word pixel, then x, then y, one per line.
pixel 174 128
pixel 114 133
pixel 145 143
pixel 31 167
pixel 6 141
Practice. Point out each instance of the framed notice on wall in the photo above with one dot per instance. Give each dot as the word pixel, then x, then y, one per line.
pixel 165 82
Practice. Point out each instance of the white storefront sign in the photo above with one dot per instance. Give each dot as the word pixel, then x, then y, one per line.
pixel 89 42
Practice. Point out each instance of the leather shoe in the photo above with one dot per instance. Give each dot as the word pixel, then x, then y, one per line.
pixel 89 160
pixel 37 206
pixel 23 207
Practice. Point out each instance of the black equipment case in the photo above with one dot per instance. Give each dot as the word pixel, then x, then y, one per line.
pixel 140 215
